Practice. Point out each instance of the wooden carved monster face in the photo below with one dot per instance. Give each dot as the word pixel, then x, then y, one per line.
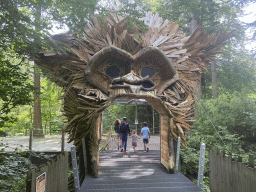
pixel 115 71
pixel 162 65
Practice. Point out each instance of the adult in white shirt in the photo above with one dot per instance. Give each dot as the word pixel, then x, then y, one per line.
pixel 146 135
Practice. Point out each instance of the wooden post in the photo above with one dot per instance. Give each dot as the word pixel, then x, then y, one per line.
pixel 62 142
pixel 84 153
pixel 75 170
pixel 45 128
pixel 177 155
pixel 101 124
pixel 153 122
pixel 136 117
pixel 171 156
pixel 30 140
pixel 201 166
pixel 108 135
pixel 171 163
pixel 28 181
pixel 251 160
pixel 214 80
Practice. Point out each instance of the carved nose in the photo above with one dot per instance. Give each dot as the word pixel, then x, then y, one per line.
pixel 134 82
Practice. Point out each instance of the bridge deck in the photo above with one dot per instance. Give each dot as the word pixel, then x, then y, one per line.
pixel 138 171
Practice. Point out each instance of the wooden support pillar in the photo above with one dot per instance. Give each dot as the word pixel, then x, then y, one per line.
pixel 153 121
pixel 84 155
pixel 171 162
pixel 95 151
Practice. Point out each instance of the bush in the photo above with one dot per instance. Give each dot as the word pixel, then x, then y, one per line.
pixel 227 122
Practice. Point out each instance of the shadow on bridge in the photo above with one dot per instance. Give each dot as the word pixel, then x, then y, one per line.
pixel 140 171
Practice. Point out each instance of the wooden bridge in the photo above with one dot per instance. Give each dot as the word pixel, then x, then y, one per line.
pixel 140 171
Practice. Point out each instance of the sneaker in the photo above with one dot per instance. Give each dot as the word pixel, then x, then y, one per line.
pixel 147 149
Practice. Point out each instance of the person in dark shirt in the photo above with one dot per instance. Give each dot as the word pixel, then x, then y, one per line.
pixel 125 130
pixel 117 131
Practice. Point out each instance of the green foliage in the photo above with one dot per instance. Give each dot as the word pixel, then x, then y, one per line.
pixel 228 123
pixel 131 23
pixel 236 71
pixel 14 167
pixel 211 15
pixel 51 107
pixel 137 9
pixel 15 86
pixel 144 114
pixel 101 20
pixel 72 13
pixel 233 117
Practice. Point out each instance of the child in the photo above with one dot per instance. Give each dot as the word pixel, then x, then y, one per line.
pixel 134 140
pixel 146 135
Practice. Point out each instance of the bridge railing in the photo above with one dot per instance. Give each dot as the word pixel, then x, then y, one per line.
pixel 228 174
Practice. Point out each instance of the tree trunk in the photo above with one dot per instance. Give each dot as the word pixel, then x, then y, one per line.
pixel 214 80
pixel 192 27
pixel 193 24
pixel 37 120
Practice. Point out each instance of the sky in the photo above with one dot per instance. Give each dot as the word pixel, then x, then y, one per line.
pixel 250 16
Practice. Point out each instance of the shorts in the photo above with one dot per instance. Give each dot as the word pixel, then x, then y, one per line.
pixel 145 140
pixel 134 144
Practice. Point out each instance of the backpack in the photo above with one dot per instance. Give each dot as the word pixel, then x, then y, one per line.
pixel 124 127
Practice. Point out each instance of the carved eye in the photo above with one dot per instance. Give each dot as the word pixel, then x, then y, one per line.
pixel 112 71
pixel 147 71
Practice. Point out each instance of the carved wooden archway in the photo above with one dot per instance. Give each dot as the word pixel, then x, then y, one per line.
pixel 111 61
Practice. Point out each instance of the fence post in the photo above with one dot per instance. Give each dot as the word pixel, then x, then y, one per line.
pixel 84 153
pixel 75 170
pixel 201 166
pixel 62 142
pixel 251 161
pixel 178 155
pixel 30 140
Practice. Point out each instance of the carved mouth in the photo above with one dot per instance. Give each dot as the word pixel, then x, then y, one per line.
pixel 144 84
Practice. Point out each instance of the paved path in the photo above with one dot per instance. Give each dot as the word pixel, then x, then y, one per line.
pixel 138 171
pixel 154 144
pixel 48 143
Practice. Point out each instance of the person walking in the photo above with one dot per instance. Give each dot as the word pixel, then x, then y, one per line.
pixel 117 131
pixel 125 130
pixel 146 135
